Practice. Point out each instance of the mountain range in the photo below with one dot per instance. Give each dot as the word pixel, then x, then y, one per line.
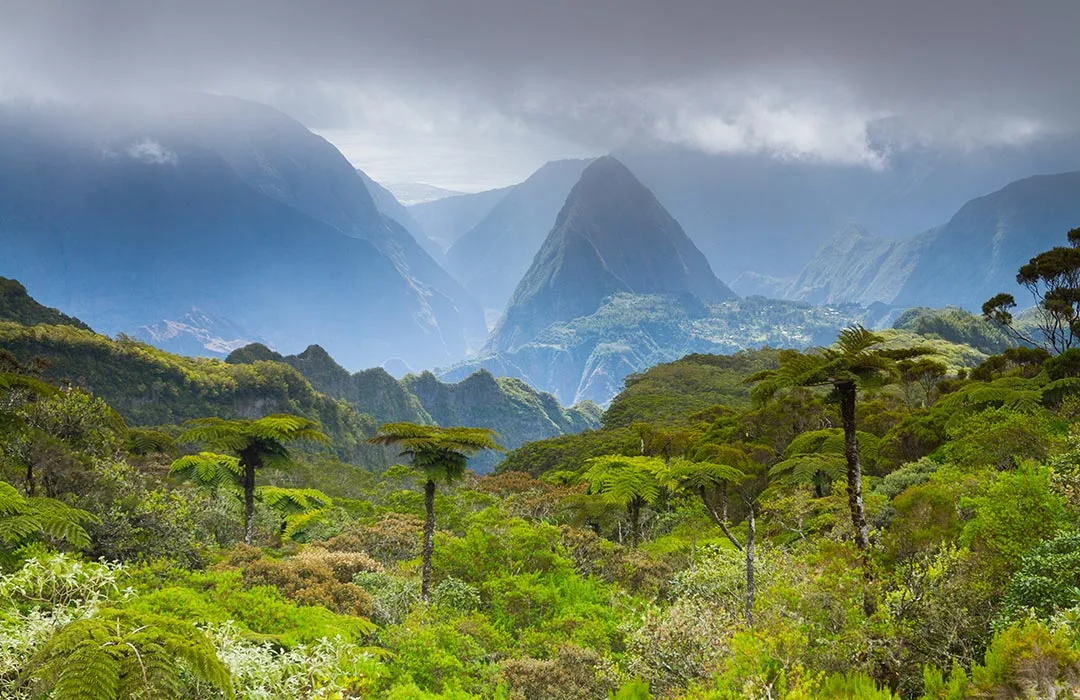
pixel 153 387
pixel 227 206
pixel 963 262
pixel 204 223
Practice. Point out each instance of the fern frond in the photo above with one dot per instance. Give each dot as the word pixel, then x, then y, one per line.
pixel 25 519
pixel 296 525
pixel 620 480
pixel 292 501
pixel 143 441
pixel 124 655
pixel 208 469
pixel 803 468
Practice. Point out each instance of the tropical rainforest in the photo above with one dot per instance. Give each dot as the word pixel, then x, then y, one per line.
pixel 892 515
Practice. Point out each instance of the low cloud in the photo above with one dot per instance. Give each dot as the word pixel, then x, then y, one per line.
pixel 785 78
pixel 152 152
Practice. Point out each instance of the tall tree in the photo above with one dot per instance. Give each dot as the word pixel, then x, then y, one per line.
pixel 1053 279
pixel 857 361
pixel 716 473
pixel 442 454
pixel 253 444
pixel 628 482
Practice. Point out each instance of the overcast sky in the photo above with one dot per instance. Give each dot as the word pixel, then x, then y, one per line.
pixel 471 94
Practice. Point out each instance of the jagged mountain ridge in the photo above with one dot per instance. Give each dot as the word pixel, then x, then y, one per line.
pixel 491 258
pixel 963 262
pixel 511 407
pixel 612 235
pixel 224 205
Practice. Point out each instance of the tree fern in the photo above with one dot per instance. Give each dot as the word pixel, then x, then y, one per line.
pixel 143 441
pixel 299 508
pixel 621 480
pixel 125 655
pixel 208 470
pixel 254 444
pixel 292 501
pixel 23 520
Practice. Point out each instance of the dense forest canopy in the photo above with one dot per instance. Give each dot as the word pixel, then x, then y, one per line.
pixel 894 515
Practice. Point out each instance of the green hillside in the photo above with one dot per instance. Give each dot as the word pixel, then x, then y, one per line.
pixel 510 407
pixel 148 386
pixel 17 306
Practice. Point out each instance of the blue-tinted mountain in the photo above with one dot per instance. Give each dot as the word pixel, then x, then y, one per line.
pixel 753 212
pixel 492 257
pixel 963 262
pixel 446 220
pixel 224 205
pixel 389 206
pixel 611 236
pixel 196 334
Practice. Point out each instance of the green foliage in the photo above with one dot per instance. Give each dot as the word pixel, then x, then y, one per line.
pixel 148 386
pixel 533 593
pixel 442 453
pixel 1019 511
pixel 263 611
pixel 1047 581
pixel 999 438
pixel 568 453
pixel 955 325
pixel 853 686
pixel 18 306
pixel 1028 660
pixel 623 480
pixel 121 654
pixel 676 391
pixel 25 520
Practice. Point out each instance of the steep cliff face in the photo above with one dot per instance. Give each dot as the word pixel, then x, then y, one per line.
pixel 492 257
pixel 611 235
pixel 223 205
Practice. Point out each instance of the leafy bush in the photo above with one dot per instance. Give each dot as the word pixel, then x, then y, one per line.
pixel 1047 581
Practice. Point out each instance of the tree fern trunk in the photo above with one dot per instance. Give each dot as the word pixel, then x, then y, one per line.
pixel 429 539
pixel 854 465
pixel 249 503
pixel 635 522
pixel 750 589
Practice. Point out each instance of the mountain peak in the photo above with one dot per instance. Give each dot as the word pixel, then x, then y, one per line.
pixel 612 235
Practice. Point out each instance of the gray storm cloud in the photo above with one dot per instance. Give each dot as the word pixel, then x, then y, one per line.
pixel 795 78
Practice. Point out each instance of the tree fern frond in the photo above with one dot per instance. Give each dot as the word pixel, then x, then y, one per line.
pixel 292 501
pixel 59 521
pixel 208 470
pixel 124 655
pixel 620 480
pixel 297 524
pixel 24 519
pixel 143 441
pixel 692 476
pixel 803 468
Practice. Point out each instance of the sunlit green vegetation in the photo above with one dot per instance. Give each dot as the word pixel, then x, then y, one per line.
pixel 699 545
